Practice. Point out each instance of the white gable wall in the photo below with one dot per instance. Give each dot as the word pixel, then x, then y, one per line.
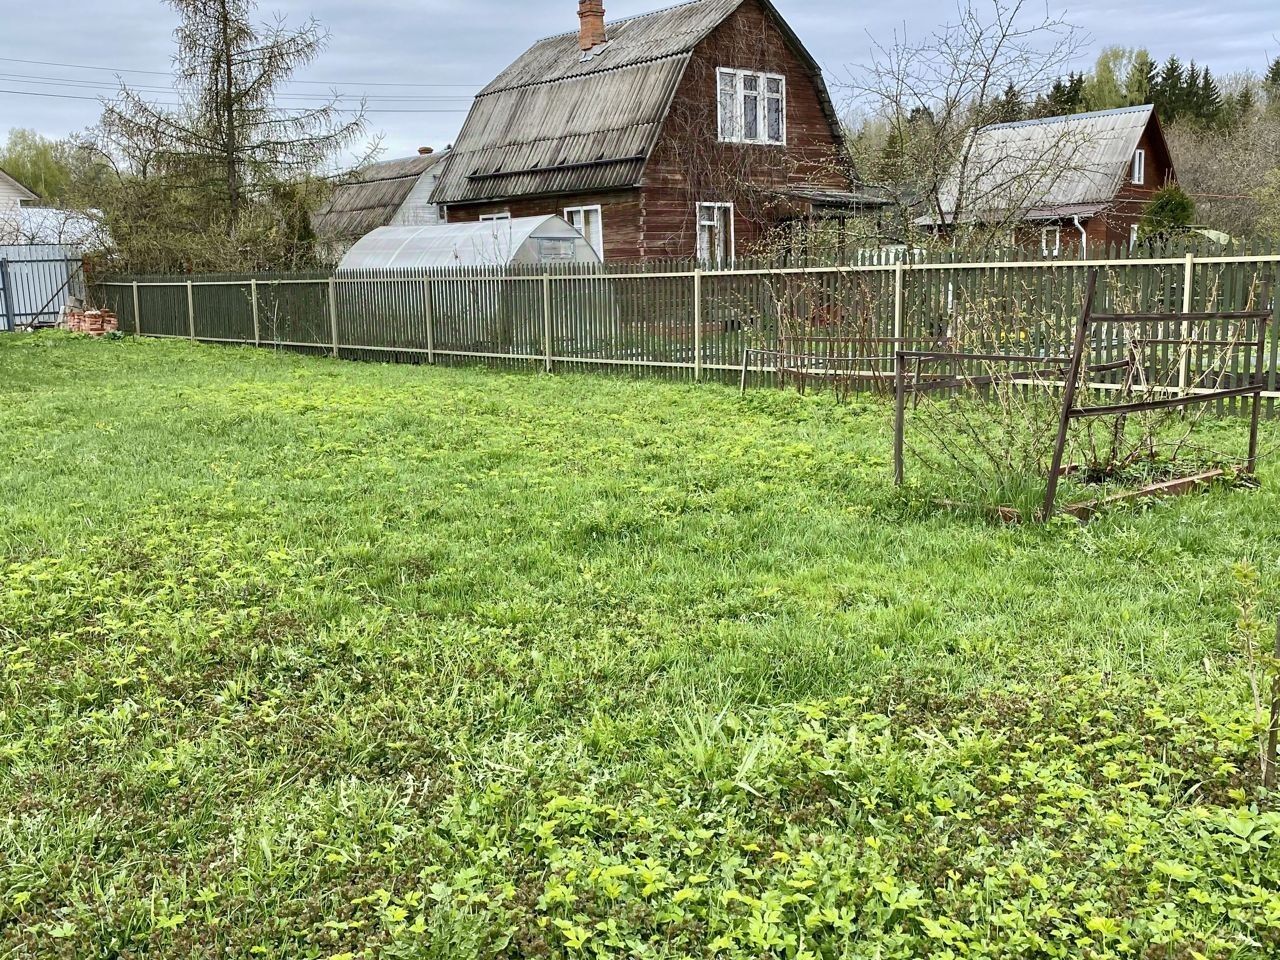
pixel 417 209
pixel 12 193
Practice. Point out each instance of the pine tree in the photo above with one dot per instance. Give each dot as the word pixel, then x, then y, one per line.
pixel 1271 83
pixel 1209 101
pixel 1237 109
pixel 1272 78
pixel 1010 107
pixel 1167 94
pixel 229 138
pixel 1189 96
pixel 1075 92
pixel 1052 102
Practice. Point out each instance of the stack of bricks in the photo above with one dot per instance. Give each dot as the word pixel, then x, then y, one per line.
pixel 93 322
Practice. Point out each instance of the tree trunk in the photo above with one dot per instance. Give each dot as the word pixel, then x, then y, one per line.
pixel 229 138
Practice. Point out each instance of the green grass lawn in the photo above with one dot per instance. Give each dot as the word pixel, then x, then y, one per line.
pixel 302 659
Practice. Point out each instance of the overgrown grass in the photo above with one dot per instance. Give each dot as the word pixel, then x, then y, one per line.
pixel 310 659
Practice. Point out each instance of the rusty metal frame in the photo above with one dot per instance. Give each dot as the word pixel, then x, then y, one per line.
pixel 1071 367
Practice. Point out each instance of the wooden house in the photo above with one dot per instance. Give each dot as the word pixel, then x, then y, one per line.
pixel 690 131
pixel 14 194
pixel 1061 183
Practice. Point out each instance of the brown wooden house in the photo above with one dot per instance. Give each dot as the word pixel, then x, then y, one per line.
pixel 686 132
pixel 1060 183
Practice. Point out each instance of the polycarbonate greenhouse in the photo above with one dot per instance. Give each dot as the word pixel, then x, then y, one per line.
pixel 489 243
pixel 477 288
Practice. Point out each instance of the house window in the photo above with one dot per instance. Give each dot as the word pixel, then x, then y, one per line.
pixel 1133 235
pixel 752 107
pixel 504 215
pixel 589 221
pixel 1139 167
pixel 1051 241
pixel 715 233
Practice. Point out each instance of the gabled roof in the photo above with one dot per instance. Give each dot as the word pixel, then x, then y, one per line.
pixel 25 192
pixel 1041 168
pixel 372 196
pixel 556 122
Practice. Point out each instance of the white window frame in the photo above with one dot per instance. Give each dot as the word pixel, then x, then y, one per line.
pixel 1133 235
pixel 488 217
pixel 703 252
pixel 1139 167
pixel 737 131
pixel 597 242
pixel 1057 240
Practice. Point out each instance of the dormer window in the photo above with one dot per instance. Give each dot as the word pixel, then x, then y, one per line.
pixel 1139 167
pixel 752 107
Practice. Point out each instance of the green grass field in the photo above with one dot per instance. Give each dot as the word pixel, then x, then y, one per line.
pixel 303 659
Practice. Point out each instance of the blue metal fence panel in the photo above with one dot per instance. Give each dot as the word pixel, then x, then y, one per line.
pixel 36 280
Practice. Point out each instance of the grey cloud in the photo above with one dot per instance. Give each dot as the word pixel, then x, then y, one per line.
pixel 468 41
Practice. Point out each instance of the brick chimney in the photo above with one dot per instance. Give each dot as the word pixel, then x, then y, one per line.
pixel 591 31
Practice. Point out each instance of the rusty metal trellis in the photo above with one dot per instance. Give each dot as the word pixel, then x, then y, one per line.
pixel 1071 368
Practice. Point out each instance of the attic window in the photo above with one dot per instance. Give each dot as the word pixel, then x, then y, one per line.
pixel 752 107
pixel 1139 167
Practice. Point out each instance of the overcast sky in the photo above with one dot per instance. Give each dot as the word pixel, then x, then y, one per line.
pixel 438 53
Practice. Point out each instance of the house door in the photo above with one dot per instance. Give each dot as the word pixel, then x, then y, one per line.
pixel 715 234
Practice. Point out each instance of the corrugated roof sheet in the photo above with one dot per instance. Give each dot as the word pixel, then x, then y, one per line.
pixel 1042 166
pixel 639 39
pixel 372 197
pixel 552 123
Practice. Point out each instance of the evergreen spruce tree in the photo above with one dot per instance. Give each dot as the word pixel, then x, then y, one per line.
pixel 1167 94
pixel 1075 93
pixel 1238 108
pixel 1209 109
pixel 1189 95
pixel 1271 83
pixel 1010 107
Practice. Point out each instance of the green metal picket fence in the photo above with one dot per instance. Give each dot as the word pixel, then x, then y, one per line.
pixel 677 320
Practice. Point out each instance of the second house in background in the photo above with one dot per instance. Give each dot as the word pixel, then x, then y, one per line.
pixel 392 193
pixel 691 131
pixel 1066 184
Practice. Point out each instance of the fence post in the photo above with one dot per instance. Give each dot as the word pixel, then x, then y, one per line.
pixel 10 315
pixel 333 314
pixel 899 413
pixel 546 320
pixel 697 323
pixel 898 292
pixel 191 311
pixel 137 311
pixel 1184 358
pixel 429 310
pixel 253 300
